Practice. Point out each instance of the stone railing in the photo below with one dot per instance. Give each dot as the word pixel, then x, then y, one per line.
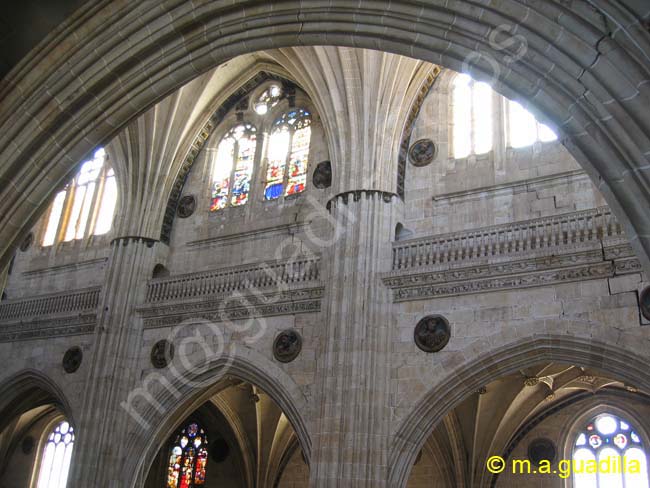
pixel 228 280
pixel 547 234
pixel 54 304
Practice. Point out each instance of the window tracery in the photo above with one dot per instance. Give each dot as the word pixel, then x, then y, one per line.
pixel 56 457
pixel 86 205
pixel 288 153
pixel 609 439
pixel 232 168
pixel 268 99
pixel 472 116
pixel 188 458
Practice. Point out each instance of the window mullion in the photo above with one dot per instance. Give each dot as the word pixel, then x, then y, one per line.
pixel 287 162
pixel 235 159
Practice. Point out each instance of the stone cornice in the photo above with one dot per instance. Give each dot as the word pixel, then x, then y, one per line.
pixel 233 307
pixel 48 327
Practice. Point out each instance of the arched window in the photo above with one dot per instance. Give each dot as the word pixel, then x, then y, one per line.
pixel 524 129
pixel 232 167
pixel 86 206
pixel 268 99
pixel 57 453
pixel 288 146
pixel 472 116
pixel 610 440
pixel 188 458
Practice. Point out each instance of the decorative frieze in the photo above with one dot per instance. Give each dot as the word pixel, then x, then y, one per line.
pixel 234 307
pixel 406 292
pixel 46 328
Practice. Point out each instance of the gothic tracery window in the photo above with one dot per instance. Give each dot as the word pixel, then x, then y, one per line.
pixel 288 154
pixel 86 205
pixel 188 458
pixel 268 99
pixel 472 116
pixel 56 457
pixel 614 442
pixel 232 167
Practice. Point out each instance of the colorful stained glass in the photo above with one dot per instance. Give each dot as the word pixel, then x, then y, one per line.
pixel 277 157
pixel 288 146
pixel 298 161
pixel 611 444
pixel 236 149
pixel 595 441
pixel 188 458
pixel 620 441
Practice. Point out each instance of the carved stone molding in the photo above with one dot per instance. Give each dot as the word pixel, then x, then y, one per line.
pixel 40 329
pixel 356 195
pixel 228 307
pixel 287 345
pixel 404 291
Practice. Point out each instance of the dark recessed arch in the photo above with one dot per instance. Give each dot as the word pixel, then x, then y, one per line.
pixel 585 69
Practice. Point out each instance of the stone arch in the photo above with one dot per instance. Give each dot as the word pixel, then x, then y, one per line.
pixel 166 411
pixel 28 389
pixel 584 69
pixel 614 352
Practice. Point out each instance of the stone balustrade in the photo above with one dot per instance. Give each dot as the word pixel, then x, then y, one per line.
pixel 508 241
pixel 228 280
pixel 52 304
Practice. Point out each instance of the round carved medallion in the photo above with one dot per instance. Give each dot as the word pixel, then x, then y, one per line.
pixel 644 302
pixel 162 354
pixel 27 242
pixel 72 359
pixel 186 206
pixel 27 445
pixel 432 333
pixel 541 450
pixel 323 175
pixel 422 152
pixel 287 345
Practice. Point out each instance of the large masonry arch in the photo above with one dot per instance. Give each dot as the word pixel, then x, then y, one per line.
pixel 493 357
pixel 582 65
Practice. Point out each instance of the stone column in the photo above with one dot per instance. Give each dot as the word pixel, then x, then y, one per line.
pixel 115 368
pixel 352 431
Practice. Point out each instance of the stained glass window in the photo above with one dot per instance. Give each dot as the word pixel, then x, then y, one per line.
pixel 288 154
pixel 188 458
pixel 268 99
pixel 232 167
pixel 472 116
pixel 608 452
pixel 86 206
pixel 57 454
pixel 524 129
